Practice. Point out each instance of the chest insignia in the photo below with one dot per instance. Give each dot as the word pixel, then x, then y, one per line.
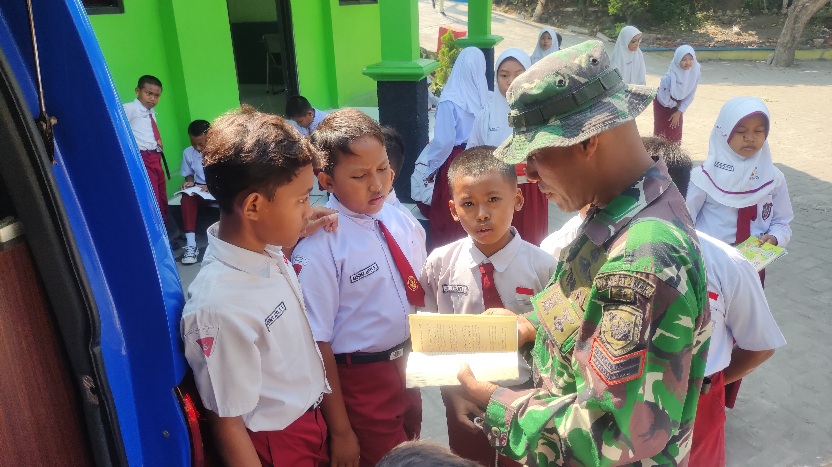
pixel 460 289
pixel 274 315
pixel 767 210
pixel 557 314
pixel 364 273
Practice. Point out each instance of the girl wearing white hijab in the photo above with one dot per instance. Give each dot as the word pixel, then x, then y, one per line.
pixel 547 43
pixel 628 58
pixel 738 192
pixel 463 97
pixel 491 128
pixel 675 94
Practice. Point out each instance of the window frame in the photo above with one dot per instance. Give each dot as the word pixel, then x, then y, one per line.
pixel 116 8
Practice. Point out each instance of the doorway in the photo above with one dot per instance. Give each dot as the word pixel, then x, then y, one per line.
pixel 262 40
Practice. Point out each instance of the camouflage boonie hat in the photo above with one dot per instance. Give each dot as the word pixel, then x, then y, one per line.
pixel 567 97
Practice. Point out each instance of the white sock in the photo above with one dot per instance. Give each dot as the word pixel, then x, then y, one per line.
pixel 190 239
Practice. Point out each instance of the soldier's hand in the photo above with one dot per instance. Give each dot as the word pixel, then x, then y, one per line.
pixel 477 391
pixel 462 407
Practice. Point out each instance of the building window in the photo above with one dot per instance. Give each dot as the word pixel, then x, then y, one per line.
pixel 103 7
pixel 356 2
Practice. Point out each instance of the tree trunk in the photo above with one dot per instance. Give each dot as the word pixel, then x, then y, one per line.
pixel 800 13
pixel 541 5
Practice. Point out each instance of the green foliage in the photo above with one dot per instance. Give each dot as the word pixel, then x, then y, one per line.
pixel 681 13
pixel 447 57
pixel 614 31
pixel 629 9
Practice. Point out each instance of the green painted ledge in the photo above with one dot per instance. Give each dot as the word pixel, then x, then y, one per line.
pixel 415 70
pixel 759 55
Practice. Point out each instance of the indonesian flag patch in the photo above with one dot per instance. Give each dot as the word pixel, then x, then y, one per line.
pixel 204 337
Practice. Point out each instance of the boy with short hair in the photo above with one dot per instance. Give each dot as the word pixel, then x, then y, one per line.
pixel 142 119
pixel 745 333
pixel 394 145
pixel 244 327
pixel 302 115
pixel 194 174
pixel 490 268
pixel 360 284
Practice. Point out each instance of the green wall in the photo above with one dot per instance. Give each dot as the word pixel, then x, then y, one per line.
pixel 252 11
pixel 334 44
pixel 190 53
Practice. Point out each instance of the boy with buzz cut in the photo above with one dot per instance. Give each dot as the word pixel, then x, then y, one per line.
pixel 141 117
pixel 490 268
pixel 360 284
pixel 303 116
pixel 257 368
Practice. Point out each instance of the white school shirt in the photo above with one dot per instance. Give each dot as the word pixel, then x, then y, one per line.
pixel 453 282
pixel 393 200
pixel 354 293
pixel 192 165
pixel 774 214
pixel 452 128
pixel 247 337
pixel 665 99
pixel 557 241
pixel 739 309
pixel 138 116
pixel 316 120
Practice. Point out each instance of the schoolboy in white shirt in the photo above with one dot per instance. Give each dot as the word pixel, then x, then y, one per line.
pixel 302 115
pixel 744 331
pixel 194 174
pixel 395 153
pixel 360 284
pixel 245 332
pixel 490 268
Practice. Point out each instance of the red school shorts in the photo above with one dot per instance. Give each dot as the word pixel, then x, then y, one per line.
pixel 302 444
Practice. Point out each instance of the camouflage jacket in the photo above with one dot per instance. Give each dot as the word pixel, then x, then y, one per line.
pixel 622 337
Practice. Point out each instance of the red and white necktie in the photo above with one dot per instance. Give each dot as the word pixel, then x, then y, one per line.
pixel 490 296
pixel 412 288
pixel 156 135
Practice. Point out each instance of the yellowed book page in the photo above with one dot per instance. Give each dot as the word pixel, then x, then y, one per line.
pixel 439 369
pixel 431 332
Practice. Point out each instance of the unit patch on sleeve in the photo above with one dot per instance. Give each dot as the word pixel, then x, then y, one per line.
pixel 460 289
pixel 363 273
pixel 620 328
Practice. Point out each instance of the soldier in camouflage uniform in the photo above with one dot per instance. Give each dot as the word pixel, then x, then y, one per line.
pixel 620 334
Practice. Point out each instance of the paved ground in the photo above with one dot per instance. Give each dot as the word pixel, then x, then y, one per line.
pixel 781 418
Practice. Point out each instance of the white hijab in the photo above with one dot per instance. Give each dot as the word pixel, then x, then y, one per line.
pixel 683 82
pixel 630 64
pixel 466 87
pixel 730 179
pixel 494 119
pixel 540 53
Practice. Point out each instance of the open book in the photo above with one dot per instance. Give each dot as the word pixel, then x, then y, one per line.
pixel 760 255
pixel 195 190
pixel 442 343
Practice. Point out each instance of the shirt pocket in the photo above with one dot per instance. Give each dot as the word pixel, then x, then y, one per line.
pixel 523 298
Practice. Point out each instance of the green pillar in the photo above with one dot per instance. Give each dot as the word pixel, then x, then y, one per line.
pixel 401 79
pixel 479 35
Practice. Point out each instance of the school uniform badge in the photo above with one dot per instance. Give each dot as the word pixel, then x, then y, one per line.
pixel 298 262
pixel 412 283
pixel 204 337
pixel 767 210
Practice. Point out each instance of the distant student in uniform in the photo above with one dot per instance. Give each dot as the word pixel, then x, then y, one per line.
pixel 744 331
pixel 394 145
pixel 675 94
pixel 305 117
pixel 461 100
pixel 547 42
pixel 628 58
pixel 244 327
pixel 490 268
pixel 194 175
pixel 142 119
pixel 360 284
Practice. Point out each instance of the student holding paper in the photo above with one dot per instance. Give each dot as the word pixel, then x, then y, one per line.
pixel 194 175
pixel 490 268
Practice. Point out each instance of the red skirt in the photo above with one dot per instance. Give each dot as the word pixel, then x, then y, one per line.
pixel 532 222
pixel 443 228
pixel 661 123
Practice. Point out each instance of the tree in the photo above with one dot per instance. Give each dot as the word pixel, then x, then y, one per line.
pixel 800 12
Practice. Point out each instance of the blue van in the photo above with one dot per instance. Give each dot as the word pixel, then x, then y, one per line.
pixel 90 355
